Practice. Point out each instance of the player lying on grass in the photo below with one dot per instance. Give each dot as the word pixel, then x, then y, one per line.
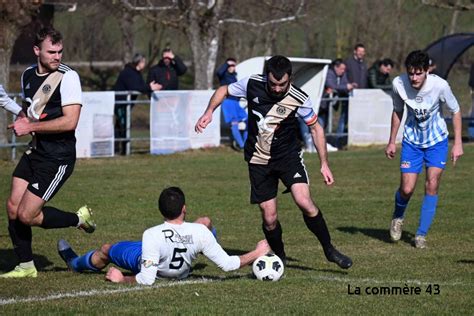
pixel 166 250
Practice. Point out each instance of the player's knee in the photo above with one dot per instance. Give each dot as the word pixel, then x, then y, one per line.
pixel 24 217
pixel 12 209
pixel 406 191
pixel 104 250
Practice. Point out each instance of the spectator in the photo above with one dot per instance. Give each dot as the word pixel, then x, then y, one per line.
pixel 337 84
pixel 165 74
pixel 129 79
pixel 234 114
pixel 357 68
pixel 379 75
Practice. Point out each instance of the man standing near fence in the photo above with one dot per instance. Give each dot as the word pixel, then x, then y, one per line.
pixel 425 139
pixel 53 97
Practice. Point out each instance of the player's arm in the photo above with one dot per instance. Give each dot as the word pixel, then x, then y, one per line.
pixel 307 113
pixel 449 99
pixel 116 276
pixel 237 89
pixel 8 104
pixel 397 114
pixel 214 252
pixel 217 98
pixel 67 122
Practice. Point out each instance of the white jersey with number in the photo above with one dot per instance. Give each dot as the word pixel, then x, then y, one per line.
pixel 425 125
pixel 169 249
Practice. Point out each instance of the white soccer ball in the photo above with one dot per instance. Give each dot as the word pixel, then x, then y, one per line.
pixel 268 268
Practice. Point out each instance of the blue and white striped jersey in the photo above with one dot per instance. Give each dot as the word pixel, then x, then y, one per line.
pixel 424 125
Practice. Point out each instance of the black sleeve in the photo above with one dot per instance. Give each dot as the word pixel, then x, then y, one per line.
pixel 179 66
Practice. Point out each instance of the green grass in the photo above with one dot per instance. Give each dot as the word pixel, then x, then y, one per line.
pixel 123 192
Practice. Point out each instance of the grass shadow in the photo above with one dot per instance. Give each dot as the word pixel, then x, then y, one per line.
pixel 465 261
pixel 377 233
pixel 8 261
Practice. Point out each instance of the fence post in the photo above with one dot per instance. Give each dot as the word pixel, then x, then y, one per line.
pixel 127 124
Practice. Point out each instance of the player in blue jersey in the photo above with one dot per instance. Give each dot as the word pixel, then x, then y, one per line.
pixel 165 251
pixel 425 139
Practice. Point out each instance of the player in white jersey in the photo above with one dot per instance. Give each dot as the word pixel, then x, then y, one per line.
pixel 166 250
pixel 425 139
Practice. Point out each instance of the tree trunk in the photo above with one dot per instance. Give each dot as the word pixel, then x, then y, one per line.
pixel 7 38
pixel 202 31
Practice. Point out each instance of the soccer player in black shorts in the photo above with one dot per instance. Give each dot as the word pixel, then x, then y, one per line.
pixel 53 97
pixel 273 152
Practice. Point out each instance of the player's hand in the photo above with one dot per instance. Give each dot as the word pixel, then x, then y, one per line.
pixel 327 174
pixel 21 127
pixel 114 275
pixel 456 153
pixel 263 247
pixel 203 121
pixel 390 151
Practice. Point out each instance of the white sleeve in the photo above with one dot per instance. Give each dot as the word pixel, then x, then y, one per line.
pixel 239 88
pixel 398 103
pixel 214 252
pixel 308 115
pixel 7 103
pixel 449 99
pixel 150 260
pixel 71 92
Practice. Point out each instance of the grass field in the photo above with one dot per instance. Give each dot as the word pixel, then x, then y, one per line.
pixel 123 192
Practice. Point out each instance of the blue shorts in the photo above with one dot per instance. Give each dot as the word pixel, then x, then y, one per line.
pixel 127 255
pixel 412 157
pixel 232 111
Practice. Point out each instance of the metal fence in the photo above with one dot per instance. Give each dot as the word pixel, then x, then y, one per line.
pixel 128 139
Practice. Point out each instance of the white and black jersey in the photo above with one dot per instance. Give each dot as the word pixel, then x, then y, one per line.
pixel 45 95
pixel 272 122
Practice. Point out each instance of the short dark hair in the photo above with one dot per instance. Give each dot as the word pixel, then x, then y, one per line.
pixel 358 45
pixel 171 202
pixel 417 59
pixel 278 65
pixel 387 62
pixel 45 32
pixel 166 49
pixel 337 62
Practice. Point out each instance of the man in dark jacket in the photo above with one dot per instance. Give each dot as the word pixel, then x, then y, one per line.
pixel 166 72
pixel 129 79
pixel 357 68
pixel 379 75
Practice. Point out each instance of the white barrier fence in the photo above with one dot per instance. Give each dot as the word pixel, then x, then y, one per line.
pixel 370 114
pixel 173 115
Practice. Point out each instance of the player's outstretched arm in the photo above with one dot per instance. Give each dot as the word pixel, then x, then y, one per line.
pixel 319 140
pixel 217 98
pixel 261 249
pixel 391 148
pixel 8 104
pixel 457 150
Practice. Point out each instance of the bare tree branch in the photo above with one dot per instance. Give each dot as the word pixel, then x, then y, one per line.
pixel 466 5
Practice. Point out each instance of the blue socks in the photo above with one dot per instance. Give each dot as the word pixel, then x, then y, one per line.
pixel 236 135
pixel 428 211
pixel 400 205
pixel 82 263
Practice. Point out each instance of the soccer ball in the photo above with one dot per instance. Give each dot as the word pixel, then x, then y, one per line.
pixel 268 268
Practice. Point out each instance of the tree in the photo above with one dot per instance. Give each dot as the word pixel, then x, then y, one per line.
pixel 13 16
pixel 202 21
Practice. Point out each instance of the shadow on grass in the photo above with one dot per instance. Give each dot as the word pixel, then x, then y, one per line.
pixel 8 261
pixel 376 233
pixel 464 261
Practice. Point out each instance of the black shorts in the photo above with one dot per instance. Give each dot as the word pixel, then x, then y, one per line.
pixel 44 175
pixel 264 178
